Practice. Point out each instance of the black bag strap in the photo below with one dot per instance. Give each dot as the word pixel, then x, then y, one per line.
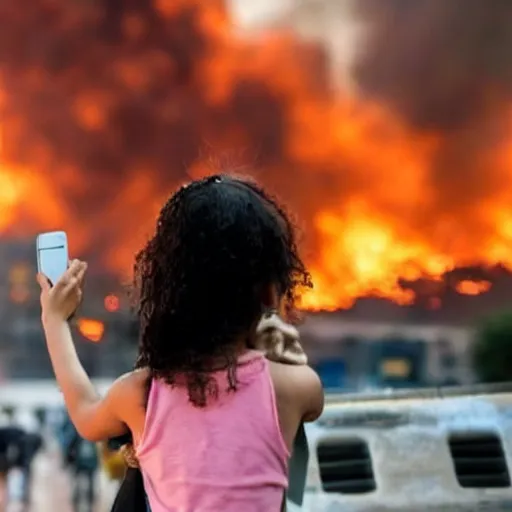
pixel 131 496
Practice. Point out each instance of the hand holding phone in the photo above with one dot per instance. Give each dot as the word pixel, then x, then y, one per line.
pixel 62 300
pixel 52 265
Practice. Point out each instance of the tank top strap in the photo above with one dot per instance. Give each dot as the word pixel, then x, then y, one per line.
pixel 249 356
pixel 150 406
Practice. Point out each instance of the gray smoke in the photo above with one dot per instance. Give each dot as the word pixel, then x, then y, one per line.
pixel 444 66
pixel 441 63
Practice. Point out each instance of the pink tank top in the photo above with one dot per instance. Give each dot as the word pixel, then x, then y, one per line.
pixel 227 457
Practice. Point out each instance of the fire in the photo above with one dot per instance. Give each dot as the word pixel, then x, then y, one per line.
pixel 11 190
pixel 468 287
pixel 111 303
pixel 91 329
pixel 117 107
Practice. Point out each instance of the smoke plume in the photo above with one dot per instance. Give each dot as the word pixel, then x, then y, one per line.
pixel 106 105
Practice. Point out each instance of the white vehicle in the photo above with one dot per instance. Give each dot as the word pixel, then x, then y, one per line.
pixel 443 449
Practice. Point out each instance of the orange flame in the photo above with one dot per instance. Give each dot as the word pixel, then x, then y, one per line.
pixel 468 287
pixel 91 329
pixel 145 107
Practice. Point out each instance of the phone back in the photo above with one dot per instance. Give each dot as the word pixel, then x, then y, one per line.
pixel 52 254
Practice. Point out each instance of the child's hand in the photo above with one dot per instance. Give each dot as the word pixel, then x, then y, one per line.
pixel 279 341
pixel 61 301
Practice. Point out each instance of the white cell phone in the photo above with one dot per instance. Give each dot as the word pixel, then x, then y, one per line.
pixel 52 254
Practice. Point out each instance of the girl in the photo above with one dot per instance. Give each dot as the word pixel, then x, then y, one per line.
pixel 212 420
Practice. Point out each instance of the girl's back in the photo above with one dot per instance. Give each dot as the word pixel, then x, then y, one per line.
pixel 228 456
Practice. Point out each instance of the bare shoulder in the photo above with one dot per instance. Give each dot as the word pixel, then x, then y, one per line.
pixel 293 375
pixel 130 387
pixel 133 378
pixel 301 384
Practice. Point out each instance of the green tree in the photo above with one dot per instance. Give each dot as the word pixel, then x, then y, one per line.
pixel 492 353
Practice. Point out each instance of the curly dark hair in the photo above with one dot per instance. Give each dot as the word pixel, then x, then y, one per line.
pixel 218 242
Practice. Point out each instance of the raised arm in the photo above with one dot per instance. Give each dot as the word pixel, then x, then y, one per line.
pixel 94 417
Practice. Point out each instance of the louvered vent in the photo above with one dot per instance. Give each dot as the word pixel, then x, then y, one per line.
pixel 345 466
pixel 479 460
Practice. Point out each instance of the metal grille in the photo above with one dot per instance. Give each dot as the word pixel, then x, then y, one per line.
pixel 346 466
pixel 479 460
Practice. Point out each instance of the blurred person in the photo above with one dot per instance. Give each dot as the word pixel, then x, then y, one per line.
pixel 86 466
pixel 213 421
pixel 11 443
pixel 4 449
pixel 67 437
pixel 81 459
pixel 4 465
pixel 28 445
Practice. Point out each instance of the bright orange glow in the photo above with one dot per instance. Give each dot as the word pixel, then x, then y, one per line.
pixel 90 329
pixel 12 188
pixel 398 367
pixel 468 287
pixel 111 303
pixel 19 274
pixel 19 294
pixel 95 133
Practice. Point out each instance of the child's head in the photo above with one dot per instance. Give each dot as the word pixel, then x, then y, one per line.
pixel 223 252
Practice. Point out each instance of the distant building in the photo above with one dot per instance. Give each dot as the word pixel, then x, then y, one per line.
pixel 358 354
pixel 23 353
pixel 374 344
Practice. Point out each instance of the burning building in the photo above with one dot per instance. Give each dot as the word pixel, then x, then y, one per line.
pixel 402 183
pixel 105 328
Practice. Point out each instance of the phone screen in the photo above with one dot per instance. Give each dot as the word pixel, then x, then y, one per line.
pixel 53 262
